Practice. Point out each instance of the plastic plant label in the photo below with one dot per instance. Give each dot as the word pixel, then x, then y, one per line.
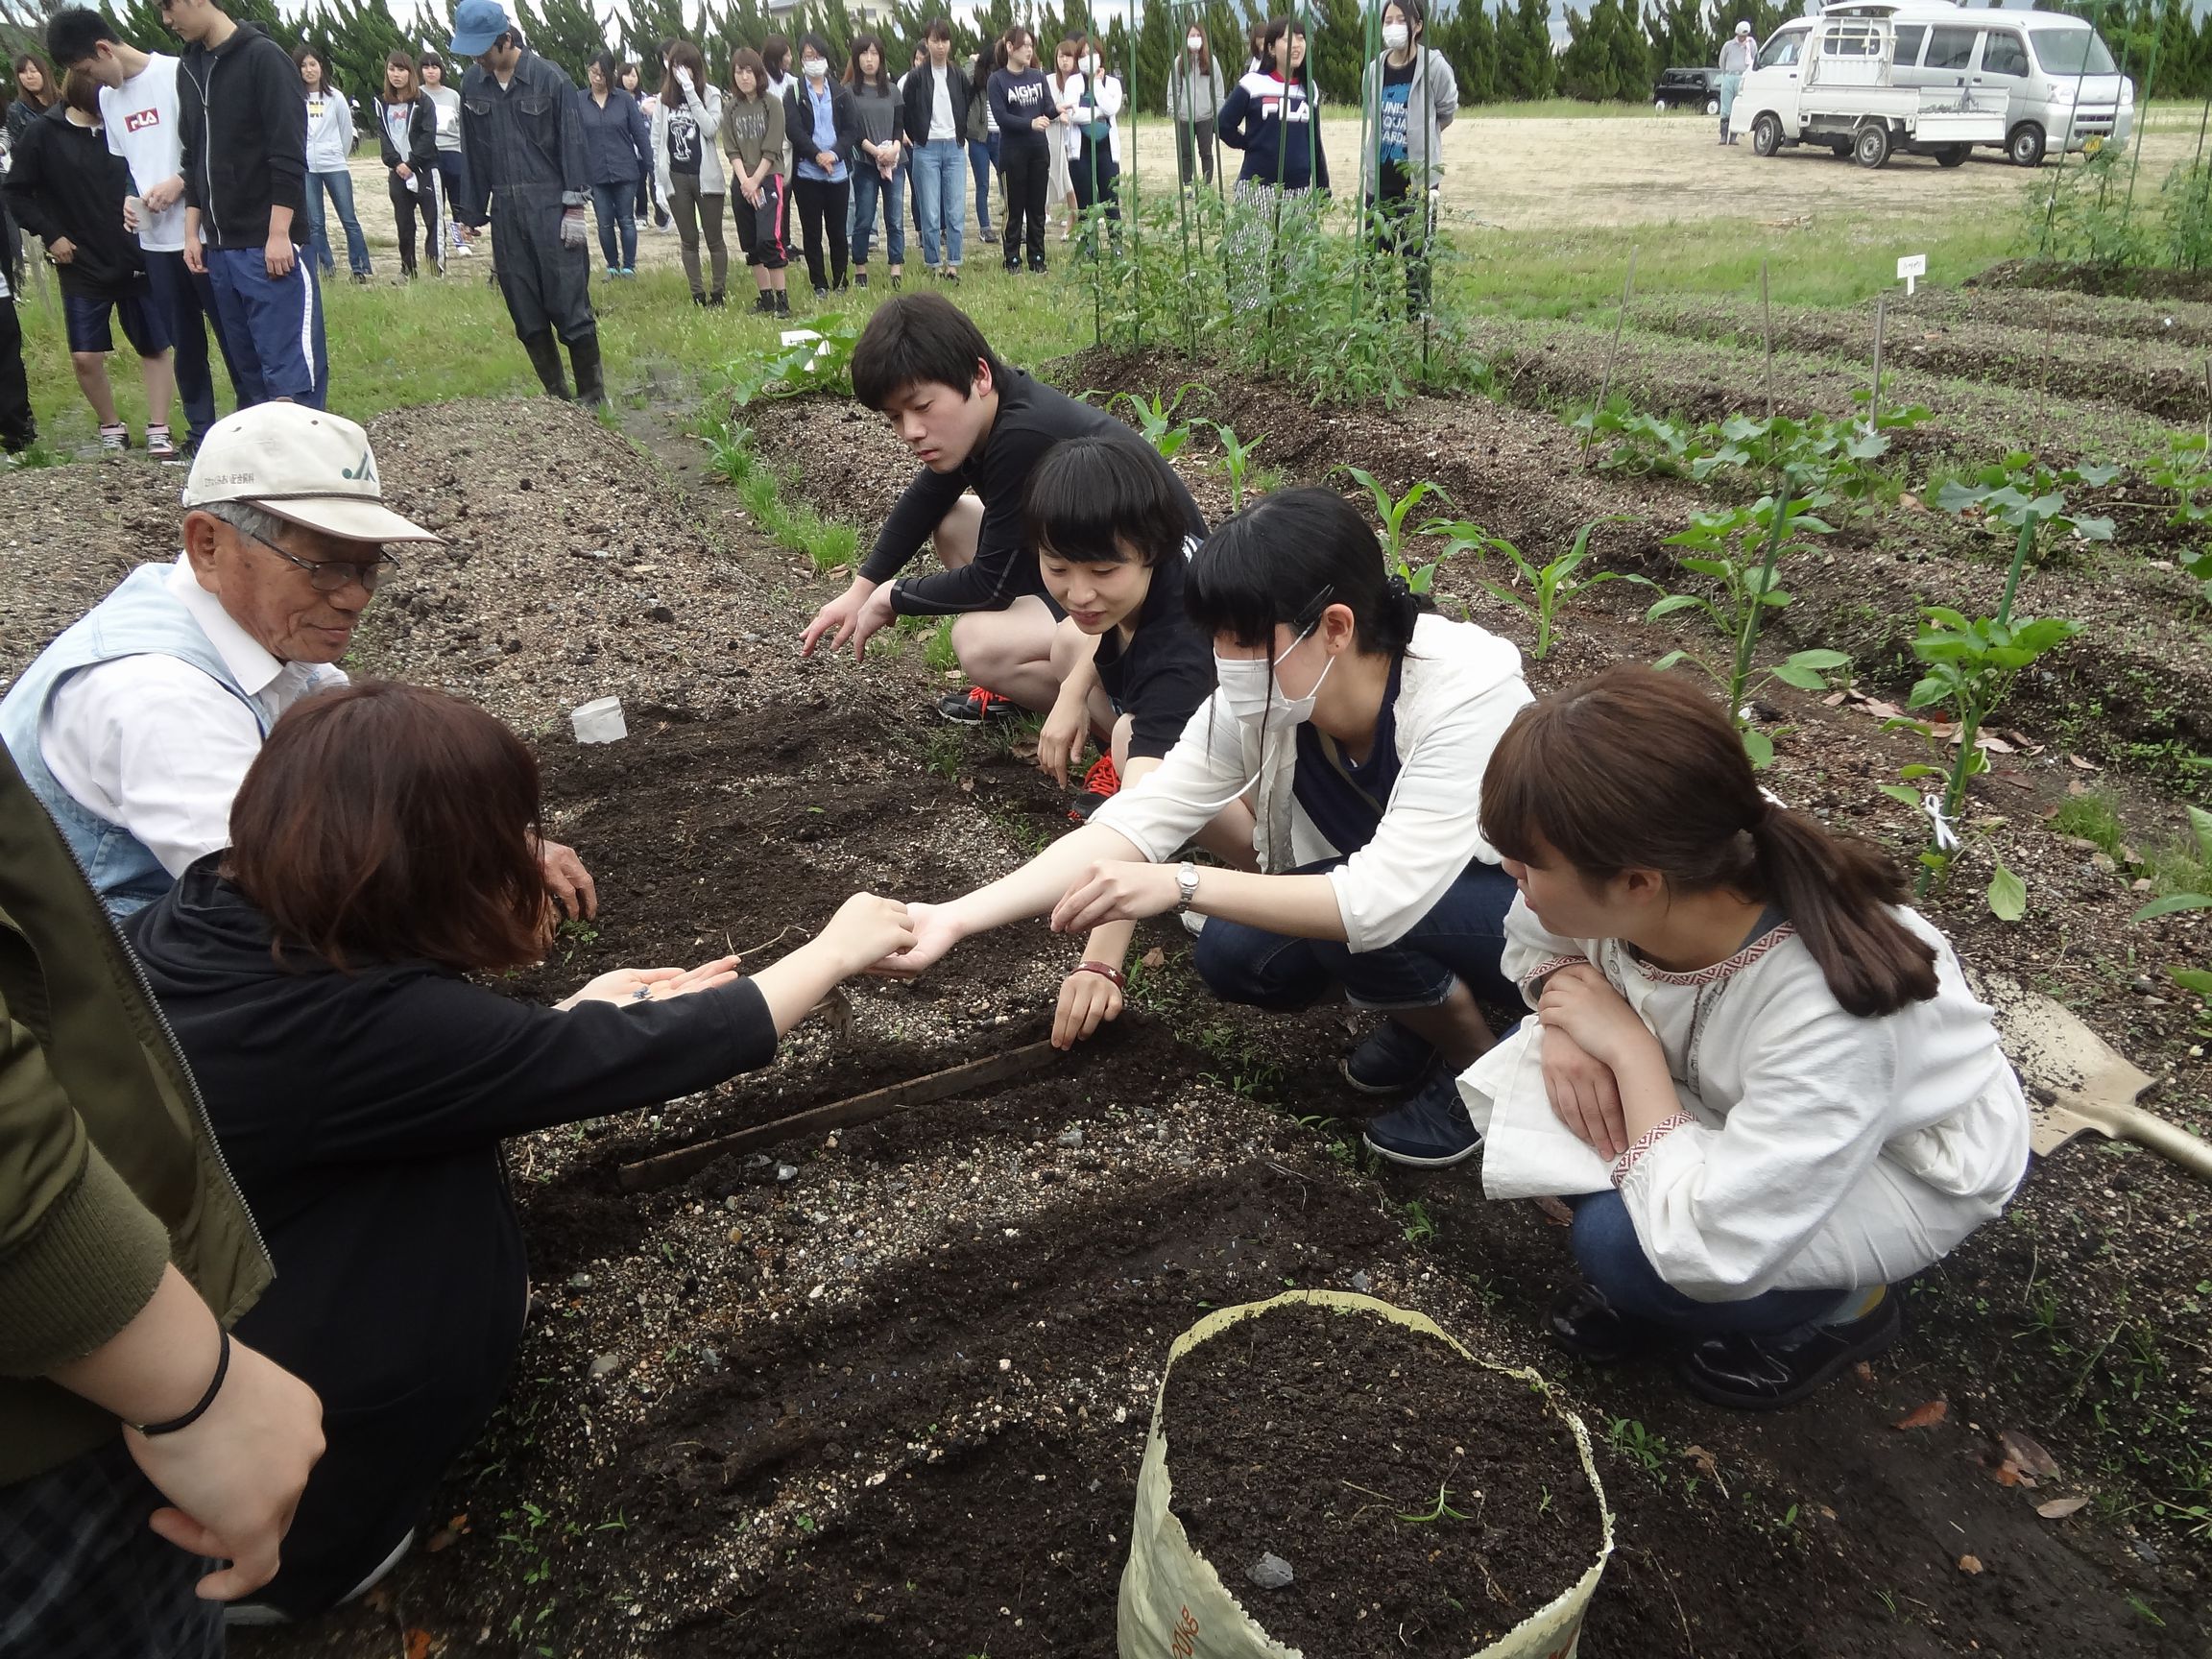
pixel 1910 268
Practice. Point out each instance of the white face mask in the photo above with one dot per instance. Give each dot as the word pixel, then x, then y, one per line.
pixel 1251 691
pixel 1091 67
pixel 1195 43
pixel 816 67
pixel 1395 36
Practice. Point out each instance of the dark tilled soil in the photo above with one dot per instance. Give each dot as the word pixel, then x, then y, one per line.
pixel 1424 1504
pixel 2113 281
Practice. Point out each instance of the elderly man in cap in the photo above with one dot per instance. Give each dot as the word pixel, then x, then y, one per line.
pixel 1739 57
pixel 137 725
pixel 524 140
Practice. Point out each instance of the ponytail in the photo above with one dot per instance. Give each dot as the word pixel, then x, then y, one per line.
pixel 1635 769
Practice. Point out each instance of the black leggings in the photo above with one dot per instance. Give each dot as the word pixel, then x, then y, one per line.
pixel 1028 166
pixel 822 208
pixel 404 205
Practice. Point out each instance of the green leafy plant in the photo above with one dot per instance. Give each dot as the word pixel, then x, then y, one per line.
pixel 823 363
pixel 827 543
pixel 1548 587
pixel 1970 666
pixel 1393 511
pixel 2186 470
pixel 1156 418
pixel 1642 444
pixel 1739 549
pixel 1236 460
pixel 2020 491
pixel 2197 979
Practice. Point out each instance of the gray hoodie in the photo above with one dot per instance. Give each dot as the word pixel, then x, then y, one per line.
pixel 329 131
pixel 1430 103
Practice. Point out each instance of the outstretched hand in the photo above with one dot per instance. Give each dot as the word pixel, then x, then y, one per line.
pixel 937 930
pixel 654 984
pixel 1088 1001
pixel 858 615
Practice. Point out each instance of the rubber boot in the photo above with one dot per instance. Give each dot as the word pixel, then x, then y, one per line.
pixel 1724 129
pixel 584 353
pixel 545 358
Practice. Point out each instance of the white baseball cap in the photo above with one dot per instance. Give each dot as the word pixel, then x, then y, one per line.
pixel 302 465
pixel 1742 27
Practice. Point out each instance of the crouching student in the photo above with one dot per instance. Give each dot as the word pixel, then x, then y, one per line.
pixel 360 1083
pixel 1789 1098
pixel 1356 719
pixel 978 427
pixel 1112 545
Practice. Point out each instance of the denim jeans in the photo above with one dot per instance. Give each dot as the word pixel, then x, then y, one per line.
pixel 1611 1257
pixel 339 184
pixel 1461 939
pixel 983 161
pixel 611 203
pixel 870 188
pixel 942 190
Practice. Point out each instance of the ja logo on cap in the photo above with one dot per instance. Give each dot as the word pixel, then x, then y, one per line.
pixel 363 473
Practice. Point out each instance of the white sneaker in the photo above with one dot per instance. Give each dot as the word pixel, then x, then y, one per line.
pixel 464 249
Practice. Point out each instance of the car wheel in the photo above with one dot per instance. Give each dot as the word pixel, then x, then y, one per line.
pixel 1765 134
pixel 1660 105
pixel 1950 156
pixel 2025 147
pixel 1871 148
pixel 1712 106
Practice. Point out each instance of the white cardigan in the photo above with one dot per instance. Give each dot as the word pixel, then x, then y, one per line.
pixel 1082 112
pixel 1824 1151
pixel 1460 688
pixel 706 110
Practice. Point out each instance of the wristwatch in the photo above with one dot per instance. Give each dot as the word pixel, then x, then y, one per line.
pixel 1186 887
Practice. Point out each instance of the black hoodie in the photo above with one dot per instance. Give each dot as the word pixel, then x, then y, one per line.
pixel 362 1114
pixel 245 138
pixel 64 182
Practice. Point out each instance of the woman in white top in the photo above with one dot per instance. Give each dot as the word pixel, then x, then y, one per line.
pixel 1094 133
pixel 1356 721
pixel 1778 1092
pixel 329 144
pixel 688 166
pixel 1060 188
pixel 1195 94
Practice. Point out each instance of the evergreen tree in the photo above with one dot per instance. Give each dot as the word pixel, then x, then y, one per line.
pixel 1585 70
pixel 1336 48
pixel 568 33
pixel 1469 41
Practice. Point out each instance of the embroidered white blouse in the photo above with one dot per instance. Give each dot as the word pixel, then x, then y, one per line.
pixel 1816 1149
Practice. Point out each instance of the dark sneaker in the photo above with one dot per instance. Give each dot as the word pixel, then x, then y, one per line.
pixel 1762 1373
pixel 1389 1060
pixel 1586 1325
pixel 764 306
pixel 1431 1131
pixel 859 279
pixel 974 706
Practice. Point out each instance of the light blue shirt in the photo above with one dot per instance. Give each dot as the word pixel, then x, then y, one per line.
pixel 823 101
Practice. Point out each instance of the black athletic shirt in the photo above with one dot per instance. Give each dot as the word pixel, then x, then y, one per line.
pixel 1165 670
pixel 1032 417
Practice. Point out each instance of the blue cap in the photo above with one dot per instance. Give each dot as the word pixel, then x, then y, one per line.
pixel 477 24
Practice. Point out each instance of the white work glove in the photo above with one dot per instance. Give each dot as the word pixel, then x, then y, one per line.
pixel 572 232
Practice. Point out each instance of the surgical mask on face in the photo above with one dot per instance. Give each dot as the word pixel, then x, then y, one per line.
pixel 1251 691
pixel 1195 43
pixel 816 67
pixel 1395 36
pixel 1091 67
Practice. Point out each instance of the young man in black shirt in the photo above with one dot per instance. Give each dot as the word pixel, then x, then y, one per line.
pixel 977 428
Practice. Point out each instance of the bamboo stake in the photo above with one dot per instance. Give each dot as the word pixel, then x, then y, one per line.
pixel 1766 311
pixel 1880 317
pixel 1612 354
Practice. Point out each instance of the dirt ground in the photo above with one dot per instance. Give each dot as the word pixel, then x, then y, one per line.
pixel 885 1391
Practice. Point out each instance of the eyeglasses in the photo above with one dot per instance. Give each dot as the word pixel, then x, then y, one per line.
pixel 332 575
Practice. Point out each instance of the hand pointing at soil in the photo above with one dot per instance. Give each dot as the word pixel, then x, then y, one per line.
pixel 567 881
pixel 858 614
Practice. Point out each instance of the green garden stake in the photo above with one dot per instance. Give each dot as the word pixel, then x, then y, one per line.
pixel 1606 381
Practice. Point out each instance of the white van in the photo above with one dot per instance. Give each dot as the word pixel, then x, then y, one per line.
pixel 2054 78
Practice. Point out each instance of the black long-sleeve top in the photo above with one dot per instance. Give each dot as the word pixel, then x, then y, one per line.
pixel 362 1114
pixel 523 139
pixel 64 182
pixel 1032 417
pixel 1018 97
pixel 245 137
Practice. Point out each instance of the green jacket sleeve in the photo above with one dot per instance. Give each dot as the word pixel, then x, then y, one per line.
pixel 80 1255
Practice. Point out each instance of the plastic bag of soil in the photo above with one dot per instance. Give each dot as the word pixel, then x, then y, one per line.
pixel 1175 1604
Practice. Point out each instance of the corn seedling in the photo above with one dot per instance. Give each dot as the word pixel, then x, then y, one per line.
pixel 1156 420
pixel 1393 511
pixel 1738 550
pixel 2196 979
pixel 1547 587
pixel 1236 460
pixel 1970 666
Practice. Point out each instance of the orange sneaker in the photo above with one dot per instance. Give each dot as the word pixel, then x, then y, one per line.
pixel 1103 780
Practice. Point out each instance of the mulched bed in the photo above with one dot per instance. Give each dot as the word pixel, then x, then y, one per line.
pixel 1423 1505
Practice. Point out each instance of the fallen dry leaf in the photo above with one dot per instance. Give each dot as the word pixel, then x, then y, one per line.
pixel 1700 1459
pixel 2026 1453
pixel 1969 1565
pixel 1833 700
pixel 2085 765
pixel 418 1644
pixel 1909 501
pixel 1152 958
pixel 442 1539
pixel 1556 1211
pixel 1864 1373
pixel 1925 1416
pixel 2058 1509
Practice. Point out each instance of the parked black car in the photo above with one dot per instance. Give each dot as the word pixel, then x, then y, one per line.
pixel 1688 89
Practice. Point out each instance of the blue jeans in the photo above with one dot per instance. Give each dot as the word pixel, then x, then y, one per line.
pixel 1460 939
pixel 870 188
pixel 339 184
pixel 938 183
pixel 278 318
pixel 982 161
pixel 1611 1257
pixel 612 205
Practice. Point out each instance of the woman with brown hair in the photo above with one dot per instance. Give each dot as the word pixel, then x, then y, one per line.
pixel 1760 1078
pixel 688 166
pixel 407 126
pixel 318 977
pixel 34 93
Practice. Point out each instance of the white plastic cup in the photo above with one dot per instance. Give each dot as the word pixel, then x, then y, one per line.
pixel 599 721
